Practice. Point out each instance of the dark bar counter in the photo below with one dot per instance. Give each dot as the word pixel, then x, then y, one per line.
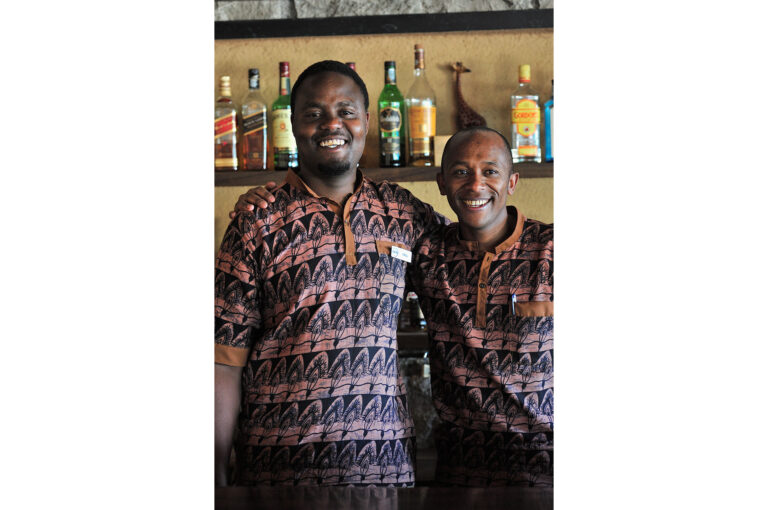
pixel 383 498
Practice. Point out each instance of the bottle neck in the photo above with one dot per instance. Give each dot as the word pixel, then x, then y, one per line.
pixel 390 77
pixel 225 92
pixel 418 63
pixel 285 85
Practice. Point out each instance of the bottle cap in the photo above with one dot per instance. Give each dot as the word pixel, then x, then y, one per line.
pixel 253 78
pixel 351 65
pixel 224 86
pixel 285 69
pixel 418 53
pixel 389 63
pixel 525 73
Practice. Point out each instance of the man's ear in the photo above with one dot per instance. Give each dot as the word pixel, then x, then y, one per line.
pixel 514 176
pixel 440 183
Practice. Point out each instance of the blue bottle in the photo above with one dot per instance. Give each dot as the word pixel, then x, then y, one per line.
pixel 548 107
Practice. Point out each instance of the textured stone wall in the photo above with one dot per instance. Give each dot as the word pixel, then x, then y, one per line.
pixel 232 10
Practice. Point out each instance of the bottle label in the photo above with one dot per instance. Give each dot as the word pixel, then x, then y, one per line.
pixel 225 125
pixel 390 120
pixel 420 146
pixel 421 120
pixel 225 163
pixel 255 121
pixel 281 130
pixel 526 117
pixel 390 146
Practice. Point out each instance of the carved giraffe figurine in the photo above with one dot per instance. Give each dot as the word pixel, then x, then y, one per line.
pixel 466 116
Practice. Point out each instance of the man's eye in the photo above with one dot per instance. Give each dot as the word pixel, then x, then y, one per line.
pixel 347 112
pixel 460 171
pixel 491 171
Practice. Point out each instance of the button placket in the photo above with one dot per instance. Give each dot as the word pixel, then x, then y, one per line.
pixel 482 292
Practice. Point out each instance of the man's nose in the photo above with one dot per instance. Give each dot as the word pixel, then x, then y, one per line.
pixel 476 181
pixel 331 121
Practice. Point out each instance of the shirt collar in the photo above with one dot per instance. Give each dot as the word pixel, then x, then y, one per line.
pixel 519 219
pixel 297 182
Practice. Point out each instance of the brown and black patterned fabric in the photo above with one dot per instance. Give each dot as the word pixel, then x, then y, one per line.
pixel 307 299
pixel 491 355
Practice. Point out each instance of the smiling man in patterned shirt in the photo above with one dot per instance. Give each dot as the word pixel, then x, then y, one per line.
pixel 308 291
pixel 485 287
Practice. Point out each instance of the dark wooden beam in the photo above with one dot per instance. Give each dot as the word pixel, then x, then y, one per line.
pixel 394 24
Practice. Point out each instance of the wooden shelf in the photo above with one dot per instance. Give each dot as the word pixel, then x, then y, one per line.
pixel 404 174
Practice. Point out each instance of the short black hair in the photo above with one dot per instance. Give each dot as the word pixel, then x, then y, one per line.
pixel 328 66
pixel 470 130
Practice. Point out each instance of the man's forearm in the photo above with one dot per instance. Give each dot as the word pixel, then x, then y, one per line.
pixel 227 407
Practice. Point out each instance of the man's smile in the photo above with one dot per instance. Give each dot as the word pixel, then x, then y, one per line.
pixel 476 203
pixel 332 143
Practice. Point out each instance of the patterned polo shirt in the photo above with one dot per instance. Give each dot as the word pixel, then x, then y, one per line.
pixel 307 297
pixel 489 318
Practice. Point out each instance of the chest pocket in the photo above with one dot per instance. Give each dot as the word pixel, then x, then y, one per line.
pixel 534 325
pixel 391 266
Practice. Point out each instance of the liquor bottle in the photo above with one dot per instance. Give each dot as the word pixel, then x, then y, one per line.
pixel 421 111
pixel 526 118
pixel 391 125
pixel 283 142
pixel 411 318
pixel 254 118
pixel 225 128
pixel 549 110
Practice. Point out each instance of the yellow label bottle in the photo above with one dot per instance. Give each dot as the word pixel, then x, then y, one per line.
pixel 525 120
pixel 422 115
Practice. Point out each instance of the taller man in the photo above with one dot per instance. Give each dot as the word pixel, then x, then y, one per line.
pixel 307 296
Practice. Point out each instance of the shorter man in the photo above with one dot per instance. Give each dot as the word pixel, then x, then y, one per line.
pixel 485 287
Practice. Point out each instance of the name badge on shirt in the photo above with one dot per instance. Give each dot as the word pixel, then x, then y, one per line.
pixel 399 253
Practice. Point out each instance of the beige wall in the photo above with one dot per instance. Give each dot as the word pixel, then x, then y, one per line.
pixel 493 57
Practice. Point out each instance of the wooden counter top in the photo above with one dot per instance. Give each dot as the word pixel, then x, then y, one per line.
pixel 382 498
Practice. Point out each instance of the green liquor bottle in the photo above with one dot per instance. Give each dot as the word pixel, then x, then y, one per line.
pixel 283 142
pixel 391 122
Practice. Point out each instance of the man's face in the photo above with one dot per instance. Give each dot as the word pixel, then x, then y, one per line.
pixel 329 123
pixel 476 178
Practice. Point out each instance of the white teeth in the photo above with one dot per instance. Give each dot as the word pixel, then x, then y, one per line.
pixel 476 203
pixel 332 143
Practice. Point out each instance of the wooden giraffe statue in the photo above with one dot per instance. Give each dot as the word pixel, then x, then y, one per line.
pixel 466 116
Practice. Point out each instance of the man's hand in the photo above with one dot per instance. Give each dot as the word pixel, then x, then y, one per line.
pixel 258 196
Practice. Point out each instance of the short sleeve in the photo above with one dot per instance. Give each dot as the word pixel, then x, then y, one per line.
pixel 237 314
pixel 425 219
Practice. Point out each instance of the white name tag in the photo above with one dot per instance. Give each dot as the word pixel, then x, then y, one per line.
pixel 399 253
